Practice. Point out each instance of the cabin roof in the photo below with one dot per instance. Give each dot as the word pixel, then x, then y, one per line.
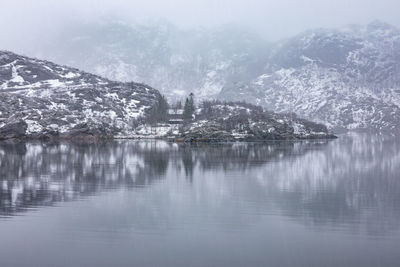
pixel 175 111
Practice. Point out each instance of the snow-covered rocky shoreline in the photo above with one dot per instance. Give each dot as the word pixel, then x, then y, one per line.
pixel 233 121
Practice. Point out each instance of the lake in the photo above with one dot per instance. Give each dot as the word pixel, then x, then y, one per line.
pixel 153 203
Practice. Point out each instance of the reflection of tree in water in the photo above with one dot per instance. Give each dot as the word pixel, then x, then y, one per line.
pixel 155 164
pixel 188 162
pixel 241 156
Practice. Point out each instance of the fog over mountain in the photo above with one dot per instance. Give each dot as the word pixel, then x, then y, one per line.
pixel 272 19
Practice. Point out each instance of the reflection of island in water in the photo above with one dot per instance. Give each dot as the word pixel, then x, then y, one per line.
pixel 353 180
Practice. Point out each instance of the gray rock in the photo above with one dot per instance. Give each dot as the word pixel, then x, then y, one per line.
pixel 13 130
pixel 208 132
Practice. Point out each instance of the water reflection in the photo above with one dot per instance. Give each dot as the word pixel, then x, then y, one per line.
pixel 39 174
pixel 352 183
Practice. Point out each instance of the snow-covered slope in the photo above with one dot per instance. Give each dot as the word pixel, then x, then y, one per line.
pixel 39 98
pixel 347 79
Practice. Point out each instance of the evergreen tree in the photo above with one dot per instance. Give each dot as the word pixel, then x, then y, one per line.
pixel 186 111
pixel 179 105
pixel 189 108
pixel 191 103
pixel 159 112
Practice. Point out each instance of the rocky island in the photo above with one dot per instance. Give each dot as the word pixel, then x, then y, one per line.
pixel 43 100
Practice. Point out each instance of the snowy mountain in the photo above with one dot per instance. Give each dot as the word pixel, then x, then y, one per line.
pixel 42 98
pixel 347 78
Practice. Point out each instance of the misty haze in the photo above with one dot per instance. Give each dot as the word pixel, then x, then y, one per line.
pixel 199 133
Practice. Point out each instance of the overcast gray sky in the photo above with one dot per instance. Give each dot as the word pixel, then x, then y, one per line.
pixel 274 19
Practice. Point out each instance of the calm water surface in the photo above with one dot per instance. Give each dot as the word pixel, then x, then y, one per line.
pixel 151 203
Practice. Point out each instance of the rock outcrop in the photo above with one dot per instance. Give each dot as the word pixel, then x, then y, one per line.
pixel 13 130
pixel 232 121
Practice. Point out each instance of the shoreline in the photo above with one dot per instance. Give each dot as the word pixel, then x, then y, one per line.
pixel 91 138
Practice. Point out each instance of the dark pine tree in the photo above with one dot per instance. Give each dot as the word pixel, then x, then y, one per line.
pixel 189 108
pixel 159 112
pixel 178 105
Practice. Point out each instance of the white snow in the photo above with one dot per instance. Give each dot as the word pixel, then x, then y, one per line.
pixel 33 127
pixel 16 78
pixel 55 83
pixel 71 75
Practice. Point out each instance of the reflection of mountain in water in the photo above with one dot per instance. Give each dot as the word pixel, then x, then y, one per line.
pixel 351 183
pixel 36 174
pixel 355 181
